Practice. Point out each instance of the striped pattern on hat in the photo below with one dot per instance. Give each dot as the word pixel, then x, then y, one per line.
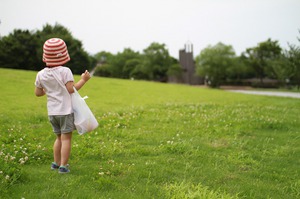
pixel 55 52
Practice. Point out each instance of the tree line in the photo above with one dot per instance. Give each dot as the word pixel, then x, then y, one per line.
pixel 23 49
pixel 220 65
pixel 217 64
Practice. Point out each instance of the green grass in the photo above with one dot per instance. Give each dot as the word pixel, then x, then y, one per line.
pixel 154 141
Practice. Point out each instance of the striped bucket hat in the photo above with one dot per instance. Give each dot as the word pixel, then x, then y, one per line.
pixel 55 52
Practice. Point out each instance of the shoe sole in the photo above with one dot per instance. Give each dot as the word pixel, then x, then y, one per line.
pixel 61 172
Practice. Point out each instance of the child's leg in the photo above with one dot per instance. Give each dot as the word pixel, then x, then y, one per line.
pixel 66 139
pixel 57 149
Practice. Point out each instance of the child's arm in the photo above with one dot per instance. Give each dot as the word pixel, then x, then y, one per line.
pixel 84 78
pixel 39 92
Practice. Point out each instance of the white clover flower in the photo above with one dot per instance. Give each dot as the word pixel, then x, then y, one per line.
pixel 101 173
pixel 7 177
pixel 26 158
pixel 1 172
pixel 111 161
pixel 22 162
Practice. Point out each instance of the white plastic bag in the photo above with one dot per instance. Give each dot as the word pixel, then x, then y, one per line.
pixel 84 119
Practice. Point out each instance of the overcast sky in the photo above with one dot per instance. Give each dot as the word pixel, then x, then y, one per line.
pixel 112 25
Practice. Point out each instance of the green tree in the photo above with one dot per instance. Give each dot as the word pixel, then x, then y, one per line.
pixel 282 68
pixel 213 63
pixel 175 70
pixel 130 66
pixel 103 59
pixel 238 71
pixel 260 56
pixel 120 65
pixel 139 69
pixel 23 49
pixel 117 63
pixel 19 50
pixel 293 56
pixel 157 62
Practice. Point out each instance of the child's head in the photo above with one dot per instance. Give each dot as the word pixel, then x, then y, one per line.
pixel 55 52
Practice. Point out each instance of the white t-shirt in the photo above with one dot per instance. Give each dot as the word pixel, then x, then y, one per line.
pixel 58 98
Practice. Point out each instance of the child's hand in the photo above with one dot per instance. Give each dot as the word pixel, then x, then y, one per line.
pixel 85 76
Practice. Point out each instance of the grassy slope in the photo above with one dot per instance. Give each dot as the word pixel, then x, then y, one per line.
pixel 156 141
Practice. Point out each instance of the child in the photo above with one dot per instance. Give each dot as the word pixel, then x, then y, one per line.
pixel 50 81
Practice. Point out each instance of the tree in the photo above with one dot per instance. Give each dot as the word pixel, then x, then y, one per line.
pixel 103 57
pixel 117 63
pixel 140 70
pixel 102 60
pixel 282 69
pixel 18 50
pixel 157 62
pixel 239 70
pixel 213 63
pixel 260 56
pixel 23 49
pixel 175 70
pixel 130 66
pixel 293 55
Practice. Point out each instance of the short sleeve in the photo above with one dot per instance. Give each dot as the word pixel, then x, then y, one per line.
pixel 67 76
pixel 38 82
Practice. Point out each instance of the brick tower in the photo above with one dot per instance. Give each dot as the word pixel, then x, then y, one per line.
pixel 186 60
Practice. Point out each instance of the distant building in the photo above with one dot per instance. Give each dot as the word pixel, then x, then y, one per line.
pixel 187 63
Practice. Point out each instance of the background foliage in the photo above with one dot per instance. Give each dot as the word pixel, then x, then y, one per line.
pixel 23 49
pixel 218 64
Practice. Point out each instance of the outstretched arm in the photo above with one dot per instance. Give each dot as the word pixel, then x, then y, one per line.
pixel 84 78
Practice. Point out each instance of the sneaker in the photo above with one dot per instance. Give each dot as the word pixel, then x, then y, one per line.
pixel 54 166
pixel 63 169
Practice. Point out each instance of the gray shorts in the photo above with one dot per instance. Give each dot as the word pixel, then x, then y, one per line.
pixel 62 123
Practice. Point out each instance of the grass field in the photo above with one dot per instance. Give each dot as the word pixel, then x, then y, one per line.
pixel 153 141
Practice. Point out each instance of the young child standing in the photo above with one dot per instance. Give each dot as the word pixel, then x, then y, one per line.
pixel 50 81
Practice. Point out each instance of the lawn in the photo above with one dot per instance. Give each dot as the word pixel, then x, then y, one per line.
pixel 153 141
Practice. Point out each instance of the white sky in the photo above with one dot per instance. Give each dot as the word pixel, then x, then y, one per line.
pixel 112 25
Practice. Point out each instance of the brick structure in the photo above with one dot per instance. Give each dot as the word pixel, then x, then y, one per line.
pixel 186 60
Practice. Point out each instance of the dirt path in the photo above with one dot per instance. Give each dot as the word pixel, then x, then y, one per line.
pixel 269 93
